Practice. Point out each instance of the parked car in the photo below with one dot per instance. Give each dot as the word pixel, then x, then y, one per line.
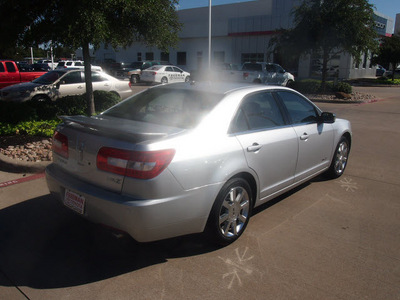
pixel 10 74
pixel 266 73
pixel 133 71
pixel 164 74
pixel 184 158
pixel 41 67
pixel 51 64
pixel 75 64
pixel 60 83
pixel 380 71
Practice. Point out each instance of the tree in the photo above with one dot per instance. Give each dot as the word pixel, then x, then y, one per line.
pixel 86 23
pixel 329 28
pixel 389 52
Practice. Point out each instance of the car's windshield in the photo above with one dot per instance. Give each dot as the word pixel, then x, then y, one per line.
pixel 49 77
pixel 166 106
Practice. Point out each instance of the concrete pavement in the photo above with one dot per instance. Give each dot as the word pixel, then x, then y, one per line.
pixel 328 239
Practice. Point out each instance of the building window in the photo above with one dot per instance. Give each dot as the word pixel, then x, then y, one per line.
pixel 139 56
pixel 252 57
pixel 149 56
pixel 181 58
pixel 165 56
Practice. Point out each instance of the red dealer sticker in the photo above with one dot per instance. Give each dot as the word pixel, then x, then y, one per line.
pixel 74 201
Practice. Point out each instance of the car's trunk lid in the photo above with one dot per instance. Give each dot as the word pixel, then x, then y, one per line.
pixel 86 136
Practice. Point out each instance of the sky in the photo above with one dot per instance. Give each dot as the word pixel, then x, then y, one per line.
pixel 386 7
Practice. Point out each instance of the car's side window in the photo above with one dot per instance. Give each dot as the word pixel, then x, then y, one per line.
pixel 10 67
pixel 73 77
pixel 169 69
pixel 97 77
pixel 258 111
pixel 177 70
pixel 2 68
pixel 300 110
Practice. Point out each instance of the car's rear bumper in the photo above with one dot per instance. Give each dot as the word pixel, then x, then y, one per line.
pixel 145 220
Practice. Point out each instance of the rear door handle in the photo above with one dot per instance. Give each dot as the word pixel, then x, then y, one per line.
pixel 254 148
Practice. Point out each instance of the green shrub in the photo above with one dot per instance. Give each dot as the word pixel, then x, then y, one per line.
pixel 313 86
pixel 40 118
pixel 343 87
pixel 307 86
pixel 14 112
pixel 104 100
pixel 40 128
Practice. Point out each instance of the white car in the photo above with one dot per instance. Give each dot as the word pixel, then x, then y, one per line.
pixel 75 64
pixel 164 74
pixel 66 82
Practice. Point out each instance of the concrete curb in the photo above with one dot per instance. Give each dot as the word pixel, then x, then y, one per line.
pixel 18 166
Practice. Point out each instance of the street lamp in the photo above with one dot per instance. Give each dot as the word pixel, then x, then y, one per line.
pixel 209 34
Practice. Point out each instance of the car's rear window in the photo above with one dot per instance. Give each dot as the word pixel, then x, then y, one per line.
pixel 166 106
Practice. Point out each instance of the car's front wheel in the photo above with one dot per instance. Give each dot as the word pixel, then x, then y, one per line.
pixel 187 78
pixel 231 212
pixel 339 161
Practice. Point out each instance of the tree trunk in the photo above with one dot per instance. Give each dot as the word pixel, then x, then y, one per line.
pixel 88 80
pixel 325 59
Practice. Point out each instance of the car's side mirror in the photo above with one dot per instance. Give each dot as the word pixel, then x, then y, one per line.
pixel 327 117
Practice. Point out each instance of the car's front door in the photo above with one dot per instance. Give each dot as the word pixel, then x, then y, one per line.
pixel 269 144
pixel 315 138
pixel 71 84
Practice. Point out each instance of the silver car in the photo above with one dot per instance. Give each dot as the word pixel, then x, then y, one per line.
pixel 193 157
pixel 60 83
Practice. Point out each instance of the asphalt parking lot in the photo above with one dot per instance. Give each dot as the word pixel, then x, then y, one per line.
pixel 328 239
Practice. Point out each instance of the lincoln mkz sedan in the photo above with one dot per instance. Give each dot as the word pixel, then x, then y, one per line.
pixel 193 157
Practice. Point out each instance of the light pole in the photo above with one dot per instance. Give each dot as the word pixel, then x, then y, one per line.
pixel 209 34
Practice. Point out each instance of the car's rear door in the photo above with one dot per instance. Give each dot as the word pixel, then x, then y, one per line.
pixel 269 144
pixel 100 82
pixel 315 138
pixel 71 84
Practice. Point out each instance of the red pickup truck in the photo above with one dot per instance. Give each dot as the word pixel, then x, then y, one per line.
pixel 10 74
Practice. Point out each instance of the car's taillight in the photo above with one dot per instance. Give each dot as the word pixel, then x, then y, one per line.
pixel 137 164
pixel 130 84
pixel 60 144
pixel 245 74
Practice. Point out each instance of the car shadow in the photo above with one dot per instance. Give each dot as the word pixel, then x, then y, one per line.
pixel 43 245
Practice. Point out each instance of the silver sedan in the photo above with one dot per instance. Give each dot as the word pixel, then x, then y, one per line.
pixel 193 157
pixel 65 82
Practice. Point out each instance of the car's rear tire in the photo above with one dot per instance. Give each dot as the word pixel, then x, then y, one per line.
pixel 230 213
pixel 340 158
pixel 289 84
pixel 164 80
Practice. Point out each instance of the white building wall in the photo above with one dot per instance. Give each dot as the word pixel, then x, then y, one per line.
pixel 237 29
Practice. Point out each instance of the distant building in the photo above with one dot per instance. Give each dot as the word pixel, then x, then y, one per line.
pixel 240 33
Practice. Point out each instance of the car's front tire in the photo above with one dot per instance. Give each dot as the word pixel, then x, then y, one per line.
pixel 230 213
pixel 340 158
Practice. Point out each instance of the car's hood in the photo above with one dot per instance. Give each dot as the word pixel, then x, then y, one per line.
pixel 25 86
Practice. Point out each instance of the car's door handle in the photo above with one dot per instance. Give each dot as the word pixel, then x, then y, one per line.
pixel 80 87
pixel 304 137
pixel 254 148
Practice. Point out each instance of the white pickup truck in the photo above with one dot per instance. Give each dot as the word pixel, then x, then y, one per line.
pixel 266 73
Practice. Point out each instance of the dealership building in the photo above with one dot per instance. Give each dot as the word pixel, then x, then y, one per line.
pixel 241 32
